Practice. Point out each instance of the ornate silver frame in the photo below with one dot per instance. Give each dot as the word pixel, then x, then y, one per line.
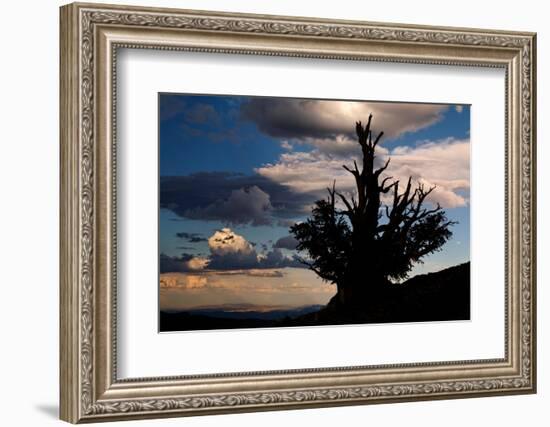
pixel 90 36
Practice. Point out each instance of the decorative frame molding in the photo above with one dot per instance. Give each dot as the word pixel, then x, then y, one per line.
pixel 90 36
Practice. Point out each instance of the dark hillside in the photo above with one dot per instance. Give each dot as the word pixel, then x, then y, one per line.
pixel 444 295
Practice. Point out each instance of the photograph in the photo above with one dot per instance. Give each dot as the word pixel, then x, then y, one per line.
pixel 344 210
pixel 279 212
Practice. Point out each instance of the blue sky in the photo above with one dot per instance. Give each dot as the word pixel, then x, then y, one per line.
pixel 252 166
pixel 230 144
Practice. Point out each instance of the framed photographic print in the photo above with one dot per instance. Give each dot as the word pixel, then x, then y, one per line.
pixel 271 230
pixel 264 212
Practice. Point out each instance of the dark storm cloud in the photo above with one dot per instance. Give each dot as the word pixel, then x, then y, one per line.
pixel 276 259
pixel 229 262
pixel 250 260
pixel 170 264
pixel 288 242
pixel 192 237
pixel 252 273
pixel 309 118
pixel 243 206
pixel 285 118
pixel 233 261
pixel 219 196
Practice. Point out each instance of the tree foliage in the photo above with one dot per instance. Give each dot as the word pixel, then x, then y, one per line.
pixel 369 241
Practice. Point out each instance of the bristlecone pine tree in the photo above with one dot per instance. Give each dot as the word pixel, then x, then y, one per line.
pixel 363 247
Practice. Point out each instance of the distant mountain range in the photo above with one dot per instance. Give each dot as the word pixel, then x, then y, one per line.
pixel 231 317
pixel 444 295
pixel 254 312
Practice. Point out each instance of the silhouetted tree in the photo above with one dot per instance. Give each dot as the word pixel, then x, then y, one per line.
pixel 368 243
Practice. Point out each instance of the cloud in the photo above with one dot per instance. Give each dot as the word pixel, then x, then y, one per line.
pixel 285 145
pixel 281 192
pixel 229 251
pixel 188 195
pixel 183 281
pixel 176 264
pixel 191 237
pixel 292 288
pixel 306 118
pixel 243 206
pixel 253 273
pixel 307 172
pixel 445 164
pixel 197 263
pixel 288 242
pixel 225 241
pixel 244 281
pixel 173 280
pixel 181 264
pixel 276 259
pixel 341 146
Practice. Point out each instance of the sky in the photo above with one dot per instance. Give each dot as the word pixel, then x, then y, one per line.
pixel 237 171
